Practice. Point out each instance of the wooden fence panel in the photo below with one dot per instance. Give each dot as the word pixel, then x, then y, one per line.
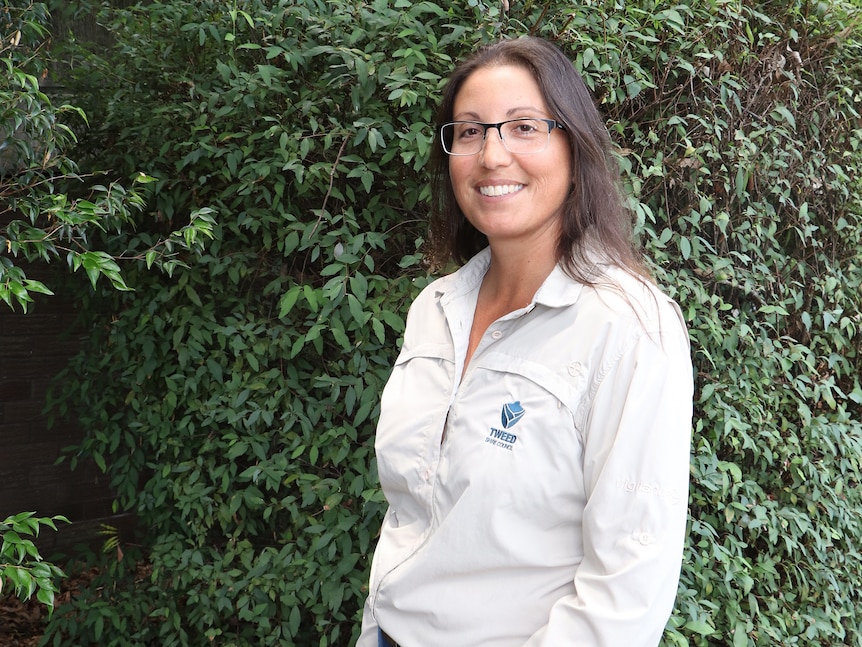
pixel 34 348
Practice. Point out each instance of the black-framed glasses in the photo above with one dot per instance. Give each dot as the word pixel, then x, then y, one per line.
pixel 519 136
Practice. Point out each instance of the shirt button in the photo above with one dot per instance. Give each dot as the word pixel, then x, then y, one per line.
pixel 645 539
pixel 496 334
pixel 427 475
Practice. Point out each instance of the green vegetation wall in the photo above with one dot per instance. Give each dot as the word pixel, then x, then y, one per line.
pixel 233 405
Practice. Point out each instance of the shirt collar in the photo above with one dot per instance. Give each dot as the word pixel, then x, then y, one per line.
pixel 466 279
pixel 557 291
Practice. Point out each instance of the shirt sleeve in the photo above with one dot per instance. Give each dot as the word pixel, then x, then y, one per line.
pixel 637 441
pixel 368 635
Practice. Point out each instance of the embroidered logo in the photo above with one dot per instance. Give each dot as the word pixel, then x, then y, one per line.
pixel 669 494
pixel 512 413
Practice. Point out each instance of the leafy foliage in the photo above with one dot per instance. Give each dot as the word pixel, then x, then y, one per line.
pixel 233 405
pixel 741 139
pixel 47 207
pixel 39 221
pixel 21 565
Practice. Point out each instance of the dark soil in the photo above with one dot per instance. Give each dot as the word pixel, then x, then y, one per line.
pixel 22 624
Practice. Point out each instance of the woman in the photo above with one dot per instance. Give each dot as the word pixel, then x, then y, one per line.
pixel 534 436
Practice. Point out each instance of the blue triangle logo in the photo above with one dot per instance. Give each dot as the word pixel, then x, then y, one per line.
pixel 512 413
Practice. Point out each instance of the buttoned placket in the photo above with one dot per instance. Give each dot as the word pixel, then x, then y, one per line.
pixel 459 315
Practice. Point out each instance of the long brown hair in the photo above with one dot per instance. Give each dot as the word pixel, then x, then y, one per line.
pixel 595 225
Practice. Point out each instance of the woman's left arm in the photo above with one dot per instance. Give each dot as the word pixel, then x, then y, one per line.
pixel 637 442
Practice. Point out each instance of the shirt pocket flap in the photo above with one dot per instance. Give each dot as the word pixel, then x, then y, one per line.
pixel 568 387
pixel 426 351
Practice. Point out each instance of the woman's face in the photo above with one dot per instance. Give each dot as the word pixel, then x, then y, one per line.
pixel 509 197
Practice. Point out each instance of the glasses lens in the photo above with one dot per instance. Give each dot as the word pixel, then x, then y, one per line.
pixel 520 136
pixel 463 138
pixel 526 135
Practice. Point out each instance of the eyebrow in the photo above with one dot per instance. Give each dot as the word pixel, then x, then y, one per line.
pixel 472 116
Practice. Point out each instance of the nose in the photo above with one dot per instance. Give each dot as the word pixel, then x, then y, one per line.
pixel 494 153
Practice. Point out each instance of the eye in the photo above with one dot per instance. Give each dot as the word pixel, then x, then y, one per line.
pixel 468 131
pixel 524 128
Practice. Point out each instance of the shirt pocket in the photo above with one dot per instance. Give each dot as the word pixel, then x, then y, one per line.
pixel 563 390
pixel 567 385
pixel 412 415
pixel 419 386
pixel 515 436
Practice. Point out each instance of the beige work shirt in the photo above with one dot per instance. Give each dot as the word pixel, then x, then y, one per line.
pixel 552 511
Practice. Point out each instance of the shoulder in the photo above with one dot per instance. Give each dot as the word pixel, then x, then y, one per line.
pixel 633 299
pixel 429 297
pixel 464 280
pixel 624 314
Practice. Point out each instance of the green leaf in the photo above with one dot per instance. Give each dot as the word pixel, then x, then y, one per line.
pixel 685 248
pixel 288 300
pixel 700 627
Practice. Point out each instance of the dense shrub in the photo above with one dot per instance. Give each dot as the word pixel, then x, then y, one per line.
pixel 741 140
pixel 744 152
pixel 49 210
pixel 234 406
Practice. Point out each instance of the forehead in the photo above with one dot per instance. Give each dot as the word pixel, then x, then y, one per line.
pixel 496 88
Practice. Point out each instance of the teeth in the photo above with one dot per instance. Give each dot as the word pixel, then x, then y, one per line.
pixel 500 189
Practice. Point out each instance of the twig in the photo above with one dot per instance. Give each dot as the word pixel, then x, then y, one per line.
pixel 331 182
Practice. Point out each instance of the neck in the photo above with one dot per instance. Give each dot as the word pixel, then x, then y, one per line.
pixel 513 278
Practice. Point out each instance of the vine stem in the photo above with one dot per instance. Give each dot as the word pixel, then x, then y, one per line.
pixel 331 182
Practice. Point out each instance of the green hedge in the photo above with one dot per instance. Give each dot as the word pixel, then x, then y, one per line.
pixel 233 406
pixel 48 209
pixel 742 140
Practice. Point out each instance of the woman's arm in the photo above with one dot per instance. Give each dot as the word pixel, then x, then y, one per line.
pixel 636 471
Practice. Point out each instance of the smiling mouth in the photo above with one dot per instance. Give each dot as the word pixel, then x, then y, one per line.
pixel 503 189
